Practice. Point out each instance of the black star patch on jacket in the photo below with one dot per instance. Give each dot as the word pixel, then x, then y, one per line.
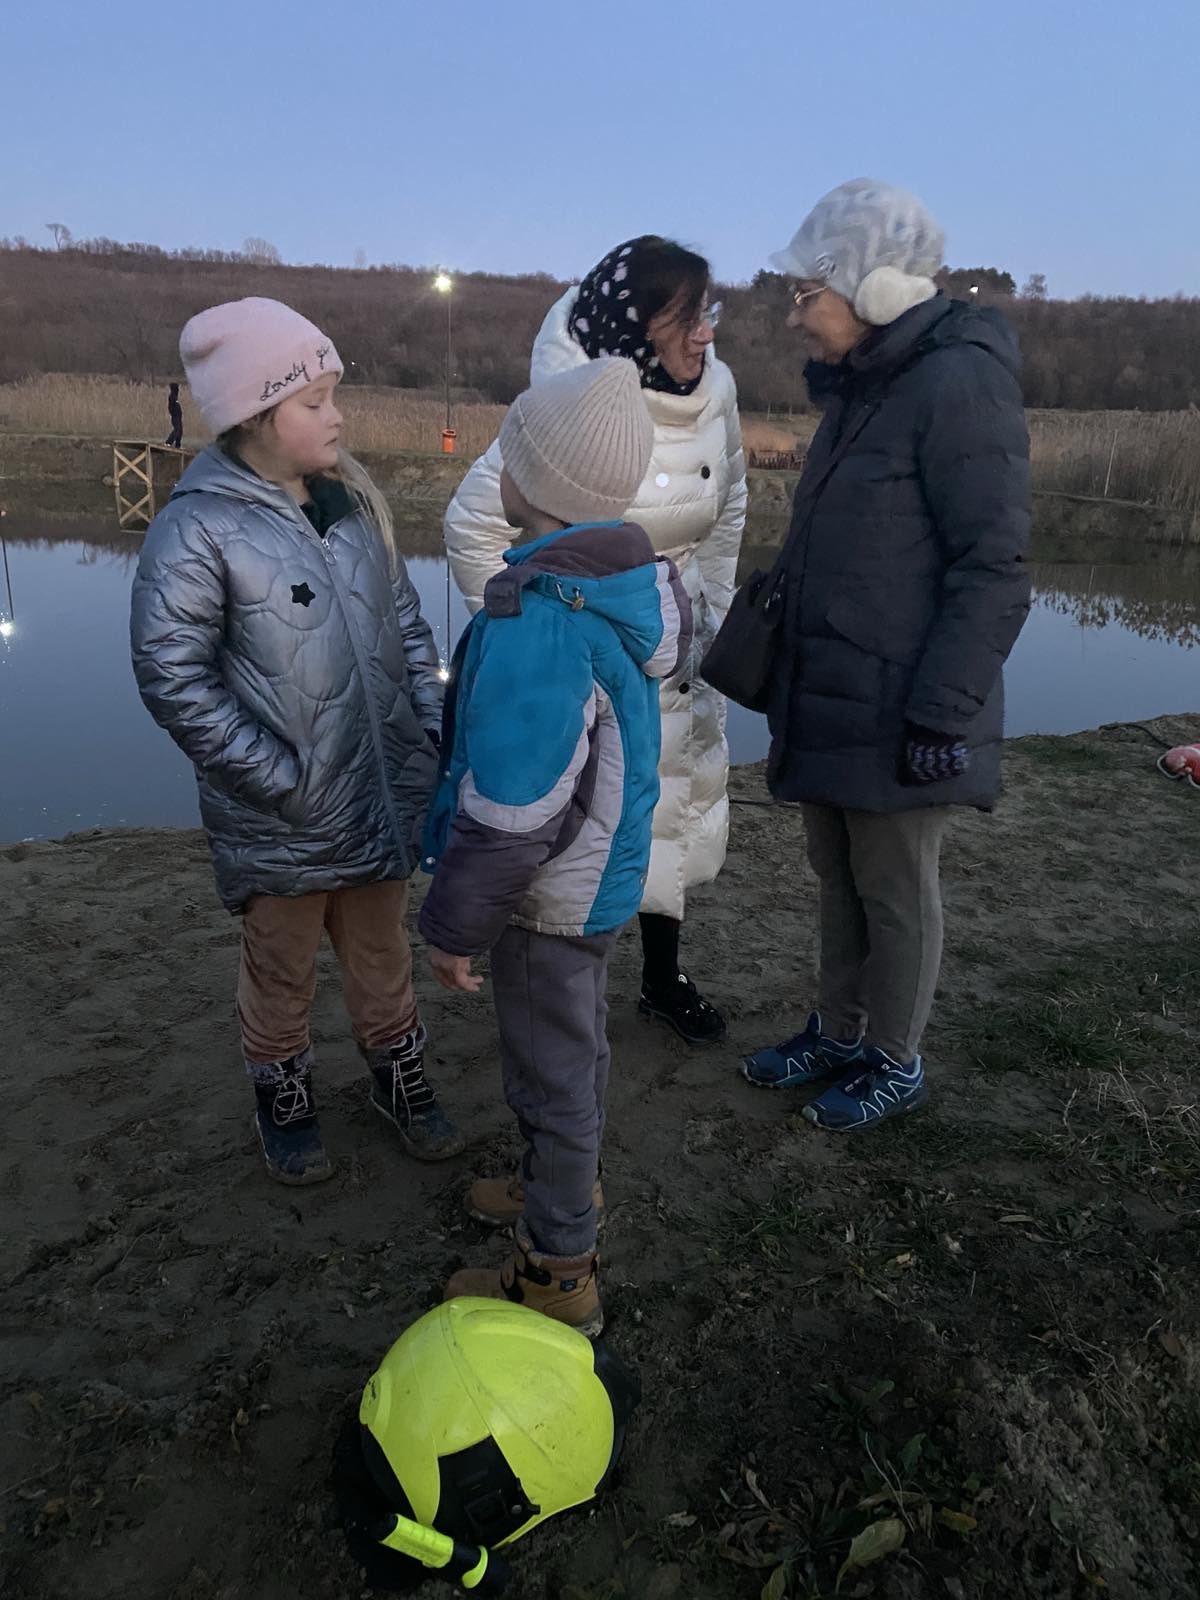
pixel 302 595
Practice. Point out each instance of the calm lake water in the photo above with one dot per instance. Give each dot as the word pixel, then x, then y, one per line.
pixel 1109 640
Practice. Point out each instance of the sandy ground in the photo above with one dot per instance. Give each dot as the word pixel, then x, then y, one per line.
pixel 977 1328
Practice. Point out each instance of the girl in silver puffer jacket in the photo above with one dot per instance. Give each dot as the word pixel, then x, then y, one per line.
pixel 278 638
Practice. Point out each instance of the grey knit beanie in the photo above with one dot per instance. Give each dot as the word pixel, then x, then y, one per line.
pixel 871 242
pixel 578 444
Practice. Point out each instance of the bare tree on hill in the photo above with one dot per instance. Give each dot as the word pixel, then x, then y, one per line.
pixel 261 251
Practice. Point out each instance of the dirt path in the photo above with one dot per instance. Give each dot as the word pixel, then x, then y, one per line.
pixel 979 1328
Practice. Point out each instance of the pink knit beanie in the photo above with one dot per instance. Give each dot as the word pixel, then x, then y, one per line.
pixel 247 355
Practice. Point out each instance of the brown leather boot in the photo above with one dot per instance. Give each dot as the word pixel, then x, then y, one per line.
pixel 501 1201
pixel 562 1287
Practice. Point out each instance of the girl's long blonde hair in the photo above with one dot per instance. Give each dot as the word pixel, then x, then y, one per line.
pixel 370 498
pixel 348 471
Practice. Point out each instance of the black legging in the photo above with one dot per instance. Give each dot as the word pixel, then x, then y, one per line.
pixel 660 949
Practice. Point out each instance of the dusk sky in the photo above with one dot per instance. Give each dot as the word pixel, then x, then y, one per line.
pixel 1049 137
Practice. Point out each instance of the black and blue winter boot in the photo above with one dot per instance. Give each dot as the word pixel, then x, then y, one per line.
pixel 402 1094
pixel 286 1120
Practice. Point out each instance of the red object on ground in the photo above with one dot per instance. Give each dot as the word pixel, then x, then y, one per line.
pixel 1182 762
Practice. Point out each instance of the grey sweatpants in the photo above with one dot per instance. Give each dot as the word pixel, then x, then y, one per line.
pixel 550 1003
pixel 881 922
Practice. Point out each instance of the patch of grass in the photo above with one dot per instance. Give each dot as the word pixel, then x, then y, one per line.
pixel 766 1228
pixel 1074 755
pixel 1117 1013
pixel 1076 1026
pixel 901 1499
pixel 1136 1132
pixel 1183 1440
pixel 929 1139
pixel 1105 1007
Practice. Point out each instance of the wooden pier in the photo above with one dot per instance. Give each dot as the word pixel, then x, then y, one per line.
pixel 144 472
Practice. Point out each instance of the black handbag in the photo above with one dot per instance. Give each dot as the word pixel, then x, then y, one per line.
pixel 738 663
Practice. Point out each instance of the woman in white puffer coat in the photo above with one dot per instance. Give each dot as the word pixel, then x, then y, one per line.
pixel 648 300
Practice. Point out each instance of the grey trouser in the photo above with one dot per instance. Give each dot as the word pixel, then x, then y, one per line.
pixel 550 1002
pixel 881 922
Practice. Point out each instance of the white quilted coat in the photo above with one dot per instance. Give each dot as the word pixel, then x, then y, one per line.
pixel 693 505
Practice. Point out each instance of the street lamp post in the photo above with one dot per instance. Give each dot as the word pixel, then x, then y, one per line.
pixel 444 284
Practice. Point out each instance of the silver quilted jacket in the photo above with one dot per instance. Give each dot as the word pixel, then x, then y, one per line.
pixel 297 674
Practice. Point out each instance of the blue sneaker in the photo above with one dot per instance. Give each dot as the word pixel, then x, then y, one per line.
pixel 875 1090
pixel 807 1058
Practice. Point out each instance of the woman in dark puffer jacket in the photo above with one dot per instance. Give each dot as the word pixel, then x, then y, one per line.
pixel 906 591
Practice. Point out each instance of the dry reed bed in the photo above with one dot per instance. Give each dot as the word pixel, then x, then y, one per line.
pixel 376 419
pixel 1150 457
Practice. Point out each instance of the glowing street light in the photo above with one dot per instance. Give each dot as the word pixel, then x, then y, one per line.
pixel 444 284
pixel 7 629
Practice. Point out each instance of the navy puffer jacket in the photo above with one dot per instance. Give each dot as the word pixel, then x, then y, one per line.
pixel 297 673
pixel 906 589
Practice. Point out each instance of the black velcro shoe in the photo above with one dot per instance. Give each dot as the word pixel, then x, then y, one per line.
pixel 684 1008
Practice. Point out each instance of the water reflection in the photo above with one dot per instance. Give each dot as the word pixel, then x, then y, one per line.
pixel 1152 590
pixel 1129 597
pixel 1110 639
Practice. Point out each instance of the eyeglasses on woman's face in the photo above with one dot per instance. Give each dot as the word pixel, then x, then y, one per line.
pixel 802 296
pixel 709 317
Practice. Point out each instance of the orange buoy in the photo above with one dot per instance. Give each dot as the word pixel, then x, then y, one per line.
pixel 449 435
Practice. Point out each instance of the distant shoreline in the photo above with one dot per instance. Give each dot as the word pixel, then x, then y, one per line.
pixel 67 475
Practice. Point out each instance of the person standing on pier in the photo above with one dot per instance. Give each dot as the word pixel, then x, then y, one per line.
pixel 175 412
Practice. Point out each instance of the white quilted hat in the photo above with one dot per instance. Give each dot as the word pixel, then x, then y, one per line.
pixel 871 242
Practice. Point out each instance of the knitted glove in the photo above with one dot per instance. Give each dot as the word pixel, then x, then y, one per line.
pixel 931 757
